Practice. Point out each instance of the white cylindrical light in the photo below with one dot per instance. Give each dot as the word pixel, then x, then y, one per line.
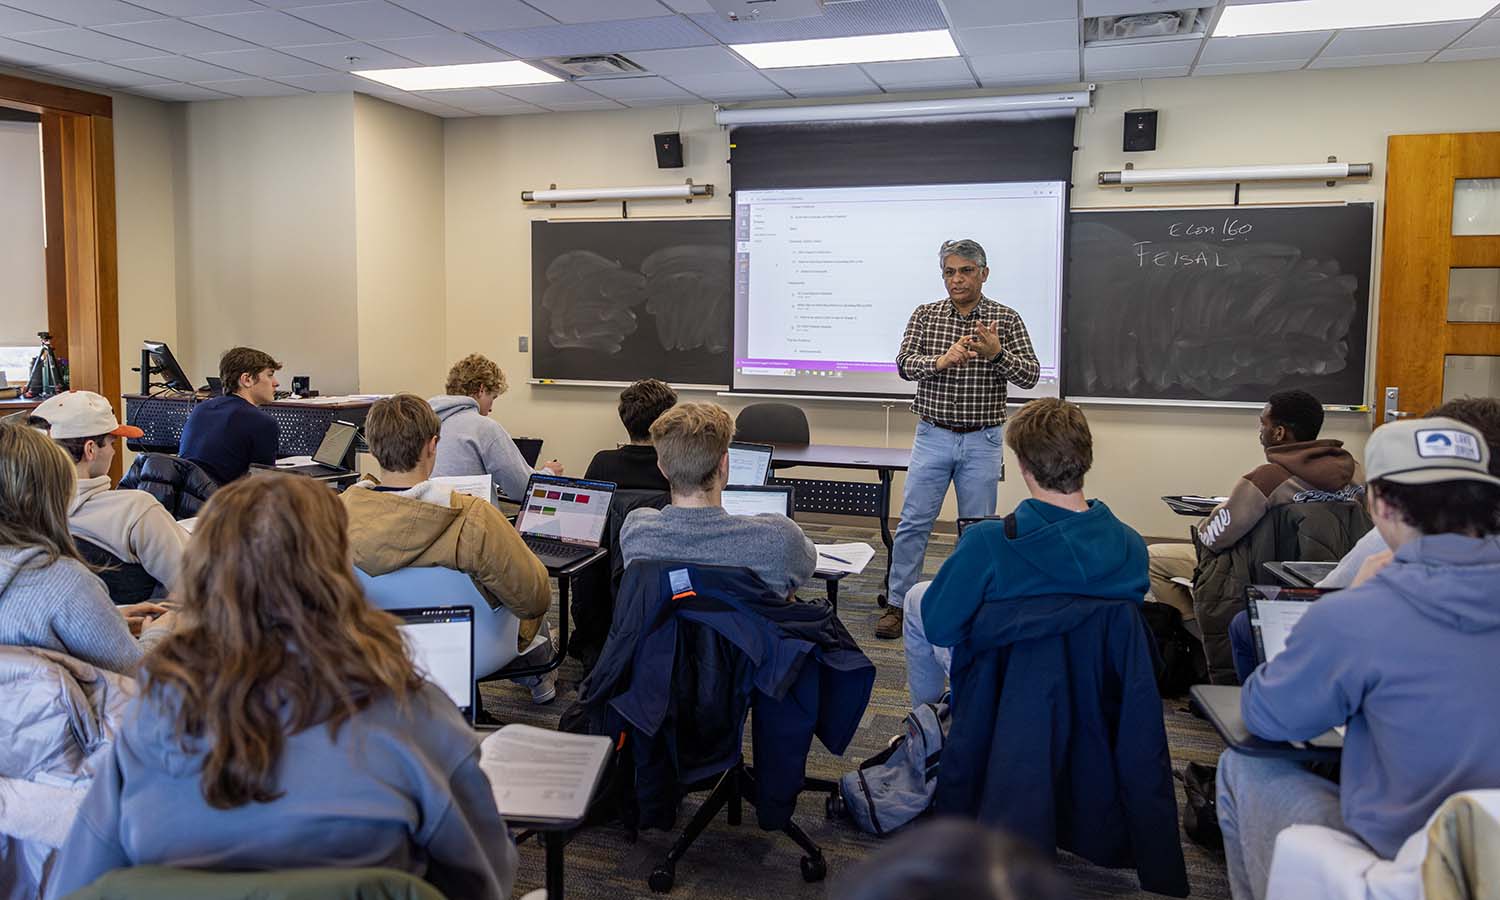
pixel 1200 174
pixel 645 192
pixel 905 109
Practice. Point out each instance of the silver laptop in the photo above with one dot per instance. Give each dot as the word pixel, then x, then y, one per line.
pixel 1274 612
pixel 328 461
pixel 440 640
pixel 754 499
pixel 750 463
pixel 562 519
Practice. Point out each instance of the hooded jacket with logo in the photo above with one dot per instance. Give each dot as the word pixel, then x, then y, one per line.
pixel 1302 472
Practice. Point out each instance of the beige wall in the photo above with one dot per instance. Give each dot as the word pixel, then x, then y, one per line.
pixel 145 211
pixel 23 244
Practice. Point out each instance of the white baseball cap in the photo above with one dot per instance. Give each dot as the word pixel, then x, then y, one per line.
pixel 1427 451
pixel 83 414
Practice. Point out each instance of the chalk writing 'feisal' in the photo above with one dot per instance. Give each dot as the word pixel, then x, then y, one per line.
pixel 1166 259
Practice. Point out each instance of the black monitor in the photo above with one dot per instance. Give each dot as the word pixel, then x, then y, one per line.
pixel 157 358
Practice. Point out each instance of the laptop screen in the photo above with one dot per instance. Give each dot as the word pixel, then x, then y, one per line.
pixel 531 449
pixel 1274 612
pixel 566 509
pixel 440 640
pixel 750 501
pixel 336 442
pixel 749 463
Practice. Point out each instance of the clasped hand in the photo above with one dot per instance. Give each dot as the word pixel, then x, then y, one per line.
pixel 983 343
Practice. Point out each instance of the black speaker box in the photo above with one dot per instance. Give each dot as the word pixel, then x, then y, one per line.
pixel 1140 130
pixel 668 150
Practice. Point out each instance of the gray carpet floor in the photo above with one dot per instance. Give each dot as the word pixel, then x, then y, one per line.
pixel 728 863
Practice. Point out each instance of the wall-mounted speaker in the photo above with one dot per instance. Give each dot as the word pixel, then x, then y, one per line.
pixel 1140 130
pixel 668 150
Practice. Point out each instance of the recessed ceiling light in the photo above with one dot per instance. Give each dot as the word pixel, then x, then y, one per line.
pixel 1323 15
pixel 472 75
pixel 863 48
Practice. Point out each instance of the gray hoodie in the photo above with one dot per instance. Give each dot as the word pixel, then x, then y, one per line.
pixel 63 606
pixel 399 788
pixel 1409 660
pixel 471 444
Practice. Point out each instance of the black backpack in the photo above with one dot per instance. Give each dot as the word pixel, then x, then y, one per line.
pixel 1183 663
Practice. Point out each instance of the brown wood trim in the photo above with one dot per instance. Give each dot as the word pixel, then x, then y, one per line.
pixel 52 199
pixel 1475 251
pixel 45 96
pixel 1473 339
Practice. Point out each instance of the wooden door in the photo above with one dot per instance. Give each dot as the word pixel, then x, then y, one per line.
pixel 1440 276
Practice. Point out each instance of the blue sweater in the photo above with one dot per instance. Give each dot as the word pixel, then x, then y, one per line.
pixel 223 436
pixel 1056 552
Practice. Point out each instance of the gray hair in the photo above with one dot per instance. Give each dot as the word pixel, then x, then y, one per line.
pixel 966 248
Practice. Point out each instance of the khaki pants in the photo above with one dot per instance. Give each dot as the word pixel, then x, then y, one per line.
pixel 1165 562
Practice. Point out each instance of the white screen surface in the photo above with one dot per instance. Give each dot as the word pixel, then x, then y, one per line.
pixel 827 278
pixel 1275 619
pixel 440 651
pixel 750 503
pixel 748 465
pixel 566 510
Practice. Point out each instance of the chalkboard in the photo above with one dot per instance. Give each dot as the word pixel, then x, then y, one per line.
pixel 1218 305
pixel 633 298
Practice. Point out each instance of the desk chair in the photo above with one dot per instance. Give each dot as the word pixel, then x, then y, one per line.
pixel 181 486
pixel 169 883
pixel 772 423
pixel 126 582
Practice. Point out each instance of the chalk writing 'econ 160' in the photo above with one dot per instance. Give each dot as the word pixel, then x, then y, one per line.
pixel 1195 255
pixel 1229 229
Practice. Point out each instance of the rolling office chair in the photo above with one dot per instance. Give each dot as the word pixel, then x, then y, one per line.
pixel 772 423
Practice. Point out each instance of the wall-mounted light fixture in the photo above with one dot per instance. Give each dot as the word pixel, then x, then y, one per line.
pixel 1330 172
pixel 686 191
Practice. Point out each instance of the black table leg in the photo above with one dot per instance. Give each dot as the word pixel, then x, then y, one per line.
pixel 885 532
pixel 554 841
pixel 833 594
pixel 562 617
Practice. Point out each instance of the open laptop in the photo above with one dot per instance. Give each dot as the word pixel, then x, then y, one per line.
pixel 1274 611
pixel 531 449
pixel 440 640
pixel 750 463
pixel 753 499
pixel 562 519
pixel 328 461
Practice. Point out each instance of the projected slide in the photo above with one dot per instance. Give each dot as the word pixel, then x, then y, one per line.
pixel 825 279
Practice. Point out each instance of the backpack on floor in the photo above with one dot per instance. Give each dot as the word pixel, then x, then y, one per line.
pixel 897 785
pixel 1182 661
pixel 1200 811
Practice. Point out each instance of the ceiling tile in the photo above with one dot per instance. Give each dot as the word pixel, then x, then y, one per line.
pixel 982 13
pixel 1033 38
pixel 338 81
pixel 586 106
pixel 103 73
pixel 621 36
pixel 179 68
pixel 84 43
pixel 547 94
pixel 367 20
pixel 837 20
pixel 1248 68
pixel 496 104
pixel 1468 53
pixel 422 104
pixel 823 81
pixel 1375 59
pixel 85 12
pixel 647 103
pixel 198 7
pixel 730 86
pixel 176 91
pixel 1134 74
pixel 1260 48
pixel 1143 55
pixel 28 55
pixel 175 36
pixel 691 61
pixel 252 87
pixel 460 97
pixel 268 28
pixel 262 62
pixel 924 73
pixel 1130 7
pixel 478 15
pixel 1402 39
pixel 580 11
pixel 336 56
pixel 690 6
pixel 1485 34
pixel 645 87
pixel 446 49
pixel 12 20
pixel 1026 68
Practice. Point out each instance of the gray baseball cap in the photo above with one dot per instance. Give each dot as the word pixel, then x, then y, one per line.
pixel 1427 451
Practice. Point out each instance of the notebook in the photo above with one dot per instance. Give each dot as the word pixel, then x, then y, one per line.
pixel 753 499
pixel 440 640
pixel 562 519
pixel 750 463
pixel 1274 611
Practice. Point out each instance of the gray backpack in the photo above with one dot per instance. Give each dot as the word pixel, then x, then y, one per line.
pixel 897 785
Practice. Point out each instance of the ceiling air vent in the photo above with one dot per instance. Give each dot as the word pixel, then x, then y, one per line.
pixel 1143 25
pixel 612 66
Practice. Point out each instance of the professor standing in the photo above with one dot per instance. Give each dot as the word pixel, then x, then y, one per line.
pixel 961 352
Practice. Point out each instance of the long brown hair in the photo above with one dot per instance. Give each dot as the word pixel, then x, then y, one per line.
pixel 277 635
pixel 37 482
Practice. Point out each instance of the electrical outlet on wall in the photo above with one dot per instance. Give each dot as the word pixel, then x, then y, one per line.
pixel 525 343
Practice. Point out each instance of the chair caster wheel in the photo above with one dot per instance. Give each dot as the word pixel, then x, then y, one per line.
pixel 663 878
pixel 834 806
pixel 814 868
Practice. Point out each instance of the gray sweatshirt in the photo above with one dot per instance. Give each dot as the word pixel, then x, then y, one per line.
pixel 398 788
pixel 64 607
pixel 770 545
pixel 471 444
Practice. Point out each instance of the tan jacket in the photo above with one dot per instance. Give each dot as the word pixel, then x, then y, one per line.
pixel 1303 472
pixel 430 525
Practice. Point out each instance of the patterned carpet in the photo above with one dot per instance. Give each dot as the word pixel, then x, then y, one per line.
pixel 729 863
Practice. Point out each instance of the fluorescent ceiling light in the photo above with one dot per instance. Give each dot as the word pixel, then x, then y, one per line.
pixel 863 48
pixel 472 75
pixel 1324 15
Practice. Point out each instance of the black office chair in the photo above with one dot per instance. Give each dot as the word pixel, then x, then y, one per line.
pixel 126 582
pixel 772 423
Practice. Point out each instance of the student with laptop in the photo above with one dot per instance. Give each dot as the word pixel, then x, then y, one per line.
pixel 473 443
pixel 284 725
pixel 225 434
pixel 633 466
pixel 132 526
pixel 692 447
pixel 406 521
pixel 1401 659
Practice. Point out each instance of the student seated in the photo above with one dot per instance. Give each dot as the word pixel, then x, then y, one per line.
pixel 1064 545
pixel 224 435
pixel 50 598
pixel 473 443
pixel 1402 660
pixel 633 466
pixel 130 525
pixel 407 521
pixel 692 448
pixel 284 725
pixel 1297 463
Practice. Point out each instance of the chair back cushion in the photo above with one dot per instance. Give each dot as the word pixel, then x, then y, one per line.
pixel 180 485
pixel 772 423
pixel 495 630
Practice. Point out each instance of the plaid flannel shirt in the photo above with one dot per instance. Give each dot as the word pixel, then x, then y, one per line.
pixel 973 393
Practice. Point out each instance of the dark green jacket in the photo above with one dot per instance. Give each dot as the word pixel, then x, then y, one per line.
pixel 166 883
pixel 1314 532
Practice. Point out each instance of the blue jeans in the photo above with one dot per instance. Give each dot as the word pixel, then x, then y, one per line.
pixel 1242 645
pixel 926 665
pixel 938 456
pixel 1259 796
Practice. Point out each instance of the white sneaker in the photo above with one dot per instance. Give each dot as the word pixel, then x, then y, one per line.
pixel 543 687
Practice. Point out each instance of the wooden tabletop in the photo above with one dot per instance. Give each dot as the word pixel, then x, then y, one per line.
pixel 11 406
pixel 841 456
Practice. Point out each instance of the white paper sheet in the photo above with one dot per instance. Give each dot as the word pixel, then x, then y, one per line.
pixel 850 558
pixel 541 774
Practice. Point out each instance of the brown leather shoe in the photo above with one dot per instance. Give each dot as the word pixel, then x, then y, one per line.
pixel 889 626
